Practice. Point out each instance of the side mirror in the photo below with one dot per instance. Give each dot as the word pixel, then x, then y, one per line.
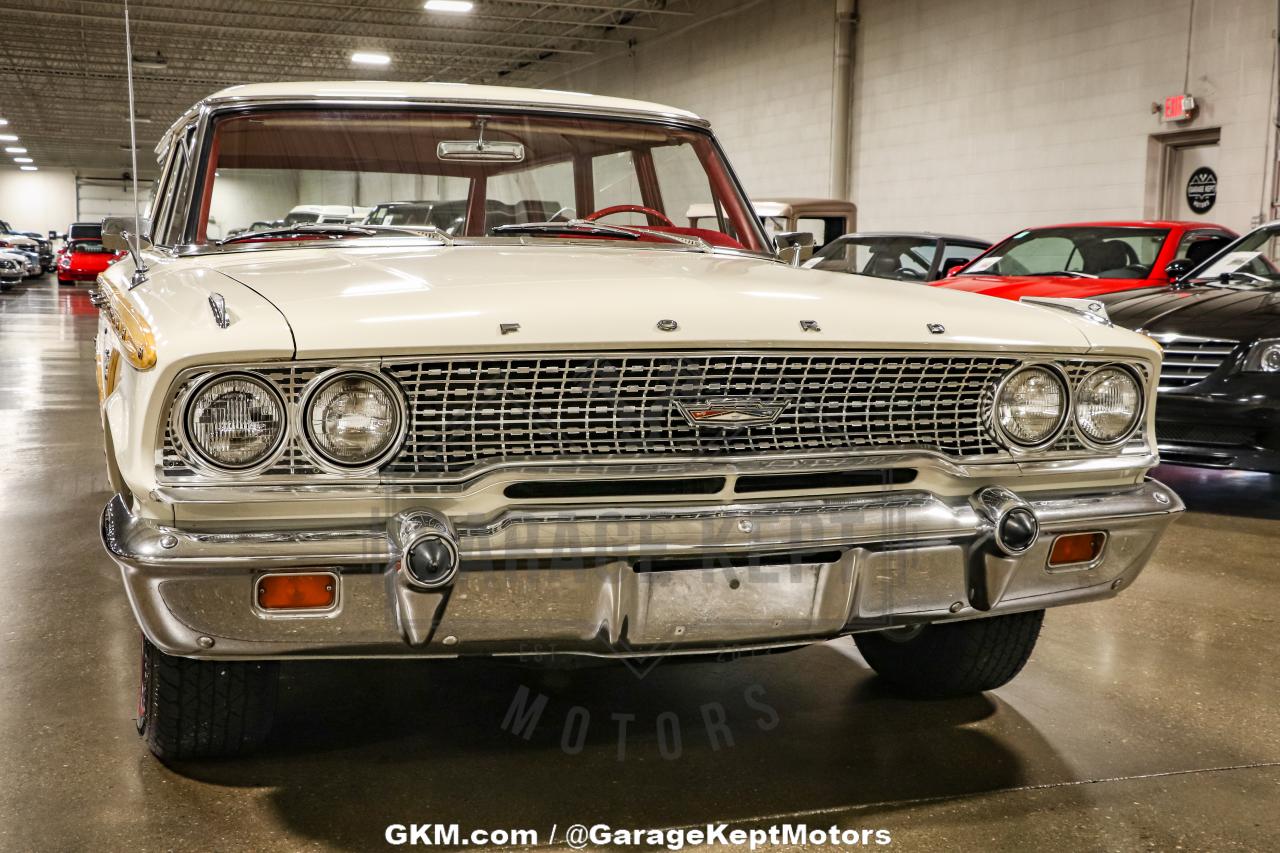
pixel 118 236
pixel 794 247
pixel 53 235
pixel 1176 269
pixel 117 233
pixel 955 270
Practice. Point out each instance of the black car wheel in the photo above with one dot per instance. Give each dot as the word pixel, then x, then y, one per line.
pixel 953 658
pixel 204 709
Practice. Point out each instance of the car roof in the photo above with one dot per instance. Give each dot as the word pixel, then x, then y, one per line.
pixel 356 92
pixel 1130 223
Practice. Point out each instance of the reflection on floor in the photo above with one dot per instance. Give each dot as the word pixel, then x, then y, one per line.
pixel 1166 697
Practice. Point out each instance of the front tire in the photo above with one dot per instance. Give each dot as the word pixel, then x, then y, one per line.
pixel 204 709
pixel 65 282
pixel 953 658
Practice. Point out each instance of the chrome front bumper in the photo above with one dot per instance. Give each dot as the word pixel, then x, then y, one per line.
pixel 631 581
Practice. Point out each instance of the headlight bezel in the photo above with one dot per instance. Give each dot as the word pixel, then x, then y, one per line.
pixel 200 457
pixel 1254 355
pixel 1138 417
pixel 1065 417
pixel 312 447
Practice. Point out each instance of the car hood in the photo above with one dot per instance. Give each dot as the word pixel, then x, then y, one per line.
pixel 1016 287
pixel 1242 313
pixel 369 300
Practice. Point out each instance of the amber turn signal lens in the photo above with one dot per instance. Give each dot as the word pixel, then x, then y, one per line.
pixel 1076 548
pixel 297 592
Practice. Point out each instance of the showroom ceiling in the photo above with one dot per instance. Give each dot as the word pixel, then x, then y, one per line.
pixel 62 70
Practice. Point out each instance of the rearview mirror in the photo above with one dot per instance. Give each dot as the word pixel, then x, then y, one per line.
pixel 1176 269
pixel 794 247
pixel 481 151
pixel 116 228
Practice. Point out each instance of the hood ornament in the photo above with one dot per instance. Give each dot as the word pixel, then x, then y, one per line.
pixel 936 328
pixel 218 305
pixel 731 412
pixel 667 325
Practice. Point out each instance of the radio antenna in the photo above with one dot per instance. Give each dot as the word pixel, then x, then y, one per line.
pixel 140 266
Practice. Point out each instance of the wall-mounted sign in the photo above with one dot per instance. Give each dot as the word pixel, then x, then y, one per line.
pixel 1202 189
pixel 1178 108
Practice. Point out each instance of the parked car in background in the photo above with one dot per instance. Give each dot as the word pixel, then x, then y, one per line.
pixel 82 260
pixel 20 244
pixel 575 435
pixel 824 218
pixel 904 256
pixel 13 268
pixel 45 248
pixel 84 231
pixel 1219 392
pixel 39 244
pixel 1090 258
pixel 325 213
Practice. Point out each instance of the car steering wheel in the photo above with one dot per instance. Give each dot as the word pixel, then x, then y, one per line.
pixel 630 208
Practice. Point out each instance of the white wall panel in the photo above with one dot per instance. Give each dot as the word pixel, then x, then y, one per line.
pixel 989 115
pixel 763 78
pixel 40 201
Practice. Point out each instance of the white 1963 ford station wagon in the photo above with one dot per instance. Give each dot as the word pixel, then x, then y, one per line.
pixel 521 408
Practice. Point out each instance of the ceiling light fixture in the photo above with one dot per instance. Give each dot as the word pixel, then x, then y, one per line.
pixel 3 122
pixel 12 150
pixel 449 5
pixel 23 160
pixel 8 137
pixel 28 168
pixel 370 59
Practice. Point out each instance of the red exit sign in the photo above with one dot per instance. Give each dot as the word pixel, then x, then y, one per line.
pixel 1178 107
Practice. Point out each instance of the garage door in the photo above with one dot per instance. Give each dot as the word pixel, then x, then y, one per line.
pixel 97 198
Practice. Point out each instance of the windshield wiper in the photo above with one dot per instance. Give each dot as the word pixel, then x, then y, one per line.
pixel 1067 273
pixel 337 229
pixel 1241 275
pixel 582 226
pixel 305 228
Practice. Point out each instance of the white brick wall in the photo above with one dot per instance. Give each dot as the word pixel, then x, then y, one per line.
pixel 762 77
pixel 989 115
pixel 974 116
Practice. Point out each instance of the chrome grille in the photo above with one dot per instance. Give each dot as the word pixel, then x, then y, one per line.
pixel 1188 361
pixel 469 412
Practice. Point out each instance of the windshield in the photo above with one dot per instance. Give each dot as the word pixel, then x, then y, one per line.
pixel 902 258
pixel 91 247
pixel 1254 259
pixel 1093 251
pixel 467 174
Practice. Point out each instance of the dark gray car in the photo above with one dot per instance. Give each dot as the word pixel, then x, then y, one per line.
pixel 900 255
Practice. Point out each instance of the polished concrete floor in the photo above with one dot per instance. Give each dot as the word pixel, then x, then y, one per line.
pixel 1151 721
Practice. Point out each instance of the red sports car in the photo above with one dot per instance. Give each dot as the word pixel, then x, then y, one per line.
pixel 82 260
pixel 1089 258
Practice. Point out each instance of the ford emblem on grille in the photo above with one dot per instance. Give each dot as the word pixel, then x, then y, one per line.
pixel 731 412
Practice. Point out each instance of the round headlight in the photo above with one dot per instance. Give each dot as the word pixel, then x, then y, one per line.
pixel 1108 404
pixel 1031 406
pixel 353 419
pixel 235 421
